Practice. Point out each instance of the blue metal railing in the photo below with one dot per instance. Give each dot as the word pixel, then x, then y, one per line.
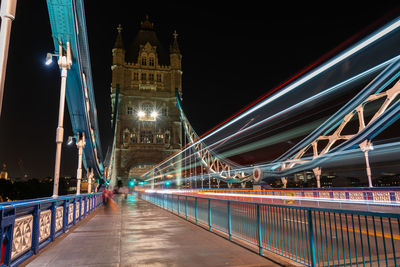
pixel 308 235
pixel 28 226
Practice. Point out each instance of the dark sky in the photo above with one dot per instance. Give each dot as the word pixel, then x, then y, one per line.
pixel 233 53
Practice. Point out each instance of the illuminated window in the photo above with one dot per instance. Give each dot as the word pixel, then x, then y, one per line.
pixel 136 76
pixel 151 77
pixel 146 137
pixel 160 139
pixel 143 76
pixel 158 77
pixel 151 61
pixel 147 108
pixel 144 62
pixel 133 137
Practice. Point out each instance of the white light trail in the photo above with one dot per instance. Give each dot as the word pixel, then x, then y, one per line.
pixel 312 98
pixel 356 48
pixel 319 199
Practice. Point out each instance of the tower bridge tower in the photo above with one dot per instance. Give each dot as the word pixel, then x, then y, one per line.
pixel 148 126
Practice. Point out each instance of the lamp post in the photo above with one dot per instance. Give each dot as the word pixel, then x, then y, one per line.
pixel 90 177
pixel 366 146
pixel 80 143
pixel 7 13
pixel 64 62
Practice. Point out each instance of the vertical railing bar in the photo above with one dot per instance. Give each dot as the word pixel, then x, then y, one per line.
pixel 179 206
pixel 311 238
pixel 209 215
pixel 267 228
pixel 316 236
pixel 341 233
pixel 290 222
pixel 354 238
pixel 292 234
pixel 186 207
pixel 337 238
pixel 260 248
pixel 303 232
pixel 275 230
pixel 269 225
pixel 384 242
pixel 195 204
pixel 326 239
pixel 322 242
pixel 286 232
pixel 229 221
pixel 348 238
pixel 391 238
pixel 295 231
pixel 281 240
pixel 376 241
pixel 361 239
pixel 368 242
pixel 330 231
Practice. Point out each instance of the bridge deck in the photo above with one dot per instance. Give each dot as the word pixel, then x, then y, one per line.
pixel 141 234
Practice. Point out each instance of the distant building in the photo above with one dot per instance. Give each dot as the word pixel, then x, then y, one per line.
pixel 148 125
pixel 3 172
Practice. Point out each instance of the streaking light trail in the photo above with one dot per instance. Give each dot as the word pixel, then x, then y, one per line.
pixel 276 115
pixel 344 55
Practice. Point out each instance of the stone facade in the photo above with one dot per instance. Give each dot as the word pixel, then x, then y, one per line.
pixel 148 125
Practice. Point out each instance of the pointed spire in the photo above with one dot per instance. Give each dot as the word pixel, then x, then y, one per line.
pixel 147 25
pixel 175 47
pixel 118 41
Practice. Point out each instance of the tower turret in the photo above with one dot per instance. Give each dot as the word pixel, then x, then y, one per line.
pixel 118 50
pixel 176 64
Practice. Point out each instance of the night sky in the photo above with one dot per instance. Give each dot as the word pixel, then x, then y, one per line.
pixel 232 55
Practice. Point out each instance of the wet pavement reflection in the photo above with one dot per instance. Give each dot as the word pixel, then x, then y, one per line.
pixel 141 234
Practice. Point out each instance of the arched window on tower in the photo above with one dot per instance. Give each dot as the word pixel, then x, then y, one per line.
pixel 146 137
pixel 144 61
pixel 133 137
pixel 151 61
pixel 147 108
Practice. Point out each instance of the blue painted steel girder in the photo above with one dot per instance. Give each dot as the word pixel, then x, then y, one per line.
pixel 68 24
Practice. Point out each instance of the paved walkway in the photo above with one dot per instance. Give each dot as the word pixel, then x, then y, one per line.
pixel 141 234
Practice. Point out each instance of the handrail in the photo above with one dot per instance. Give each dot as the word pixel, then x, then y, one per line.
pixel 27 226
pixel 312 236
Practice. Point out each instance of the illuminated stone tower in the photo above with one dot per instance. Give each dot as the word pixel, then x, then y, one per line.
pixel 148 126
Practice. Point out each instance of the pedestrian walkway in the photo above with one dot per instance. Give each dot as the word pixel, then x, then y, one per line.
pixel 141 234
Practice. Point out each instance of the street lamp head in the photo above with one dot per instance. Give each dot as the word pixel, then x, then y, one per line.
pixel 70 140
pixel 141 114
pixel 49 58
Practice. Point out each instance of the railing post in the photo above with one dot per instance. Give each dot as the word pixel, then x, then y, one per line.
pixel 311 238
pixel 179 205
pixel 7 220
pixel 35 229
pixel 260 246
pixel 209 215
pixel 186 207
pixel 74 211
pixel 53 221
pixel 229 221
pixel 195 209
pixel 65 215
